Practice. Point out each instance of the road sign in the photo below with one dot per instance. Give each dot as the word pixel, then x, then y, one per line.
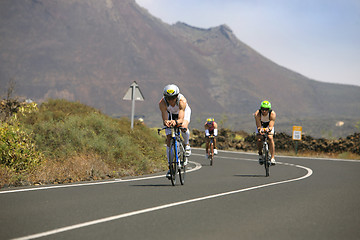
pixel 133 94
pixel 296 133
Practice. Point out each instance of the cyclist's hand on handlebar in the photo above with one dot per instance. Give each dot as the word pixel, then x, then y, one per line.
pixel 170 123
pixel 167 123
pixel 264 130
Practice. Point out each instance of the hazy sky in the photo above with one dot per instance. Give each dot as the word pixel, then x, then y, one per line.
pixel 319 39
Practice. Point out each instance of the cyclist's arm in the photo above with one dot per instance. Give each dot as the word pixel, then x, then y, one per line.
pixel 182 106
pixel 257 120
pixel 165 114
pixel 206 130
pixel 215 129
pixel 272 120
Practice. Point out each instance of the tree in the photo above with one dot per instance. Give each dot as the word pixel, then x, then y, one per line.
pixel 10 104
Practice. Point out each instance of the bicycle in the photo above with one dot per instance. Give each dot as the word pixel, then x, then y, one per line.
pixel 177 162
pixel 211 150
pixel 265 153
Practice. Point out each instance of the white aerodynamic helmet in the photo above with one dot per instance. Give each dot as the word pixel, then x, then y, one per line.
pixel 171 91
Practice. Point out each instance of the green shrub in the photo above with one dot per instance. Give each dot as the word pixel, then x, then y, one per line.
pixel 65 129
pixel 75 142
pixel 17 150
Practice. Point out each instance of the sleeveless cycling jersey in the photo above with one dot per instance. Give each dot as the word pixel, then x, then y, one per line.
pixel 211 128
pixel 265 120
pixel 174 110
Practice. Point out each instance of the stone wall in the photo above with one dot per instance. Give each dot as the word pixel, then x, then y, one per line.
pixel 227 140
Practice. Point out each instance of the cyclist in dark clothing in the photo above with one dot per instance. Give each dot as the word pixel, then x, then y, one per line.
pixel 210 130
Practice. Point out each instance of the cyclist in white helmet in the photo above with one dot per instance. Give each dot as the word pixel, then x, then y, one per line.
pixel 265 119
pixel 175 111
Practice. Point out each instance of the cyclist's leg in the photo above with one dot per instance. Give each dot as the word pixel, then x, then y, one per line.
pixel 207 140
pixel 272 148
pixel 169 151
pixel 215 149
pixel 186 134
pixel 259 141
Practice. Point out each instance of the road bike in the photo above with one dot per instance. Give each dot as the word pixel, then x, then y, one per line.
pixel 265 153
pixel 211 150
pixel 177 165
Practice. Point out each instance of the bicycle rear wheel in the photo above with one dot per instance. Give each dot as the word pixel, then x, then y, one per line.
pixel 266 159
pixel 182 168
pixel 172 164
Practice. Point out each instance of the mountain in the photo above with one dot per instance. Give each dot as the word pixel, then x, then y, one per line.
pixel 91 51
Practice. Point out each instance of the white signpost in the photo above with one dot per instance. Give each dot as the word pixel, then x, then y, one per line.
pixel 133 94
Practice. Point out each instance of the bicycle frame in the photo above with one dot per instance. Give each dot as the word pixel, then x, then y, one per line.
pixel 176 163
pixel 211 149
pixel 265 154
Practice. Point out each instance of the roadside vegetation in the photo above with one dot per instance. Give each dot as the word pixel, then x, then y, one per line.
pixel 63 142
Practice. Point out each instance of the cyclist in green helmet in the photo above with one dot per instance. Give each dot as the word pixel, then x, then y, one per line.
pixel 265 121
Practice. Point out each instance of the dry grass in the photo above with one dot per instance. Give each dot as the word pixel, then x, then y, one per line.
pixel 77 168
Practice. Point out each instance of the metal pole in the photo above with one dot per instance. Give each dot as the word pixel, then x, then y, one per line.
pixel 132 106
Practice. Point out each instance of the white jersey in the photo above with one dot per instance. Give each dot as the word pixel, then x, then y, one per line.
pixel 174 110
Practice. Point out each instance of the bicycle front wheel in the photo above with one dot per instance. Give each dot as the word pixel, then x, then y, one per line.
pixel 172 164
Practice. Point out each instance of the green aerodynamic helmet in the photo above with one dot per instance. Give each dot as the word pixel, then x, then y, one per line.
pixel 265 104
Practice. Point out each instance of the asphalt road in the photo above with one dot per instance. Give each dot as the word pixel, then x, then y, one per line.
pixel 302 199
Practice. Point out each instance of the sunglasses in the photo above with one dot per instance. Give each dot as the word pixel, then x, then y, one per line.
pixel 264 109
pixel 171 98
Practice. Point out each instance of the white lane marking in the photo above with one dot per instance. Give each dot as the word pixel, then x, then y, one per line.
pixel 197 167
pixel 129 214
pixel 297 157
pixel 232 158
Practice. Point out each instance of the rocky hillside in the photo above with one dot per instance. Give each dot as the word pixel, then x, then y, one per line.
pixel 91 51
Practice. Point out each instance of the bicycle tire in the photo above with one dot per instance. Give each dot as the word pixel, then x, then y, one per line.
pixel 173 165
pixel 182 168
pixel 266 158
pixel 211 152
